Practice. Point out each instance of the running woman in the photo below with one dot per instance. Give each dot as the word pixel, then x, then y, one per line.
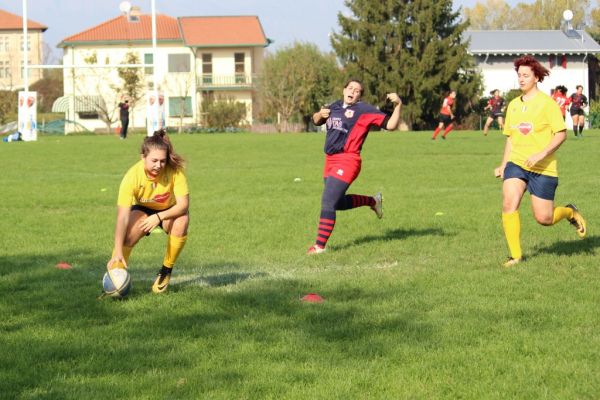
pixel 154 192
pixel 578 102
pixel 496 107
pixel 446 116
pixel 535 129
pixel 348 123
pixel 560 97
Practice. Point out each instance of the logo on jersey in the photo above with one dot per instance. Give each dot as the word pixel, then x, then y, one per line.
pixel 525 127
pixel 162 198
pixel 340 172
pixel 349 113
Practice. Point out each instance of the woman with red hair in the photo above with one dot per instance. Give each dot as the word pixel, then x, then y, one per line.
pixel 535 129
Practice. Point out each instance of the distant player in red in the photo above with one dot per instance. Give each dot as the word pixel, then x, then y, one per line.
pixel 496 107
pixel 348 123
pixel 578 102
pixel 446 116
pixel 560 97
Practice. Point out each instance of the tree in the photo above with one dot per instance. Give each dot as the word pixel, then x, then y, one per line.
pixel 594 25
pixel 412 47
pixel 296 81
pixel 541 14
pixel 8 106
pixel 133 81
pixel 49 88
pixel 223 113
pixel 489 15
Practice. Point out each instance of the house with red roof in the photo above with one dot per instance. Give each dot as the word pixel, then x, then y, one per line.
pixel 198 59
pixel 11 53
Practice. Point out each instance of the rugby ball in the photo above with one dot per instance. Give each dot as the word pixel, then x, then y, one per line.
pixel 116 283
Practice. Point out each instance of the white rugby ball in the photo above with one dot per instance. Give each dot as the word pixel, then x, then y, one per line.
pixel 116 283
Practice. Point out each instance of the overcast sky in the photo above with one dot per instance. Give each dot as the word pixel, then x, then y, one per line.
pixel 284 21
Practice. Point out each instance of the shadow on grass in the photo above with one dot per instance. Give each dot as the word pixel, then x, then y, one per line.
pixel 572 247
pixel 393 234
pixel 54 320
pixel 218 280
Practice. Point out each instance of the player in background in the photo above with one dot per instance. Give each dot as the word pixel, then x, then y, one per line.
pixel 496 107
pixel 446 115
pixel 153 192
pixel 348 123
pixel 560 97
pixel 578 102
pixel 535 129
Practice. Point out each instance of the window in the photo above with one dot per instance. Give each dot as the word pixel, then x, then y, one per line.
pixel 179 63
pixel 179 105
pixel 23 70
pixel 4 44
pixel 240 77
pixel 207 68
pixel 89 115
pixel 1 69
pixel 28 43
pixel 148 59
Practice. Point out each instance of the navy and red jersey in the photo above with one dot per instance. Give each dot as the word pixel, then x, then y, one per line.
pixel 578 101
pixel 348 127
pixel 496 104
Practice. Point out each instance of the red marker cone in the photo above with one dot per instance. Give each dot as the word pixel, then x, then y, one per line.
pixel 63 265
pixel 312 298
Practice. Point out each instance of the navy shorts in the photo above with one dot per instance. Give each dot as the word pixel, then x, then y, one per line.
pixel 542 186
pixel 576 111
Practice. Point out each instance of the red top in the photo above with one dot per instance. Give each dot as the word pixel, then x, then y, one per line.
pixel 562 101
pixel 447 106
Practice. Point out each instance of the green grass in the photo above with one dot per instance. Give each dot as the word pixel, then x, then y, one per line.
pixel 417 305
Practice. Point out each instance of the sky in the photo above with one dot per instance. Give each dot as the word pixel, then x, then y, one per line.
pixel 284 21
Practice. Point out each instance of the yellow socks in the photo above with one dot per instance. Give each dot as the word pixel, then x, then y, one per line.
pixel 512 230
pixel 174 246
pixel 561 213
pixel 126 254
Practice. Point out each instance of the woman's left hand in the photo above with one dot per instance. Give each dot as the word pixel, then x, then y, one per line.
pixel 149 223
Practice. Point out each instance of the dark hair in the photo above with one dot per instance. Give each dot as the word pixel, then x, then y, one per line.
pixel 538 69
pixel 494 91
pixel 362 87
pixel 578 86
pixel 160 141
pixel 562 89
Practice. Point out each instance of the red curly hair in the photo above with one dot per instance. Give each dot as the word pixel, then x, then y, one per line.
pixel 538 69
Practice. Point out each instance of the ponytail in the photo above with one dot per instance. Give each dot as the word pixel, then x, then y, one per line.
pixel 160 140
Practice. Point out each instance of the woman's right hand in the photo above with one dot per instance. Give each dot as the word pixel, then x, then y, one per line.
pixel 117 258
pixel 499 171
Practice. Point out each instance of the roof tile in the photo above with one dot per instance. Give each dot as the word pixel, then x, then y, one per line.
pixel 9 21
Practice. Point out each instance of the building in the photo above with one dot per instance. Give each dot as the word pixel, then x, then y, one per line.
pixel 568 54
pixel 11 53
pixel 197 59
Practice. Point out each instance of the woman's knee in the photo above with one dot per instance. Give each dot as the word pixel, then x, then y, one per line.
pixel 544 219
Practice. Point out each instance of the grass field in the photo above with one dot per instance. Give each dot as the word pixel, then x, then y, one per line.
pixel 416 305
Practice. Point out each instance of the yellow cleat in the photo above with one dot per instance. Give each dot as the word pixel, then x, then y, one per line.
pixel 162 280
pixel 511 262
pixel 577 221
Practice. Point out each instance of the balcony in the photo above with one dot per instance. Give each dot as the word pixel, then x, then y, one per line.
pixel 233 81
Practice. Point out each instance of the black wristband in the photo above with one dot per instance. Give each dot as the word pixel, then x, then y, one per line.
pixel 159 218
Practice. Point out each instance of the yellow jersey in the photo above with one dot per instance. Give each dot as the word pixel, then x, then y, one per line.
pixel 531 125
pixel 159 193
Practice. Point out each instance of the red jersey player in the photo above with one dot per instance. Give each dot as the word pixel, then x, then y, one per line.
pixel 446 115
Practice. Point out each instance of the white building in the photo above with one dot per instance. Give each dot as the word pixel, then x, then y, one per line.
pixel 197 58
